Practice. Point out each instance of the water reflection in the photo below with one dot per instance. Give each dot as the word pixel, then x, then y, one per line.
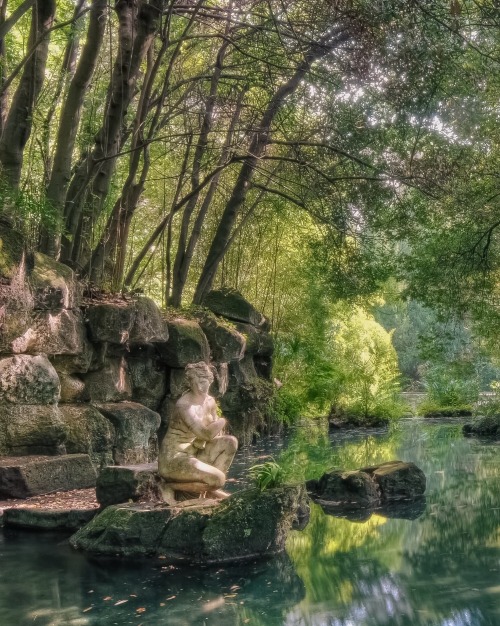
pixel 440 569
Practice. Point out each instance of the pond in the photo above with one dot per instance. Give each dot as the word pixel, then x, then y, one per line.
pixel 441 569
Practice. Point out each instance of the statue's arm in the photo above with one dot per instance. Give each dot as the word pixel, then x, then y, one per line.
pixel 200 430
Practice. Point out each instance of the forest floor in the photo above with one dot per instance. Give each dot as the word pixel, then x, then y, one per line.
pixel 59 500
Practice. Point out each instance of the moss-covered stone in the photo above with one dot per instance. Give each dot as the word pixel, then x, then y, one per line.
pixel 226 343
pixel 12 251
pixel 119 484
pixel 186 344
pixel 230 304
pixel 252 523
pixel 127 530
pixel 484 426
pixel 54 284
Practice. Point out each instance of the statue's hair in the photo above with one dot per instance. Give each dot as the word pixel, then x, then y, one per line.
pixel 199 369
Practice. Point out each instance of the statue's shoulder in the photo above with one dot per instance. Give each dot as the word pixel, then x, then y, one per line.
pixel 184 402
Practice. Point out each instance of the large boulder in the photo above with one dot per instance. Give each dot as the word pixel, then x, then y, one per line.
pixel 12 252
pixel 247 525
pixel 54 333
pixel 28 380
pixel 232 305
pixel 135 431
pixel 23 477
pixel 111 383
pixel 148 377
pixel 372 487
pixel 353 489
pixel 88 431
pixel 252 524
pixel 226 343
pixel 186 344
pixel 129 322
pixel 54 285
pixel 31 429
pixel 398 480
pixel 118 484
pixel 483 426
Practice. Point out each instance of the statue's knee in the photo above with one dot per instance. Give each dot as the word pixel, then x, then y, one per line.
pixel 216 480
pixel 232 443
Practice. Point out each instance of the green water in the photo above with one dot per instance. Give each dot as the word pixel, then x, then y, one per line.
pixel 441 569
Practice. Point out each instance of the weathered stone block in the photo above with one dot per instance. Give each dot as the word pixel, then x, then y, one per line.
pixel 28 380
pixel 31 429
pixel 149 325
pixel 137 321
pixel 135 431
pixel 149 379
pixel 186 344
pixel 23 477
pixel 226 343
pixel 89 432
pixel 72 388
pixel 118 484
pixel 74 364
pixel 232 305
pixel 54 285
pixel 111 383
pixel 55 333
pixel 12 252
pixel 48 519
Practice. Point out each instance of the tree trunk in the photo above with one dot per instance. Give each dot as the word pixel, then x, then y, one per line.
pixel 138 23
pixel 18 123
pixel 257 147
pixel 70 120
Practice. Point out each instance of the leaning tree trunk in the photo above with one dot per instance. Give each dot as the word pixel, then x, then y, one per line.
pixel 70 120
pixel 138 22
pixel 258 144
pixel 19 120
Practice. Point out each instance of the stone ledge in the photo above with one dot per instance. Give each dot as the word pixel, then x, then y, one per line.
pixel 47 519
pixel 22 477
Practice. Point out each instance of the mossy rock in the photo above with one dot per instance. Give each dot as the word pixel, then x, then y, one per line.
pixel 252 523
pixel 186 344
pixel 484 425
pixel 12 251
pixel 230 304
pixel 449 411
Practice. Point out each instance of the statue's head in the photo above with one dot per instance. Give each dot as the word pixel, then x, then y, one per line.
pixel 199 375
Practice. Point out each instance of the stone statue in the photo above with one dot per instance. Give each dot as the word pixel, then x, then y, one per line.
pixel 194 455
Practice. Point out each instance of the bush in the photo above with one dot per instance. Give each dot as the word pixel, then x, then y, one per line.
pixel 445 389
pixel 285 407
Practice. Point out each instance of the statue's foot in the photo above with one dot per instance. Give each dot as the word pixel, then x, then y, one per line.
pixel 217 494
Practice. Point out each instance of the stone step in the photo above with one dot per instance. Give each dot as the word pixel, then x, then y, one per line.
pixel 26 476
pixel 121 483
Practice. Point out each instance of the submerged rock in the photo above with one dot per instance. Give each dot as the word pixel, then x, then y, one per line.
pixel 246 525
pixel 47 519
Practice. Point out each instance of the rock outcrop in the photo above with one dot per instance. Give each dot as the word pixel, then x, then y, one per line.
pixel 385 487
pixel 96 375
pixel 247 525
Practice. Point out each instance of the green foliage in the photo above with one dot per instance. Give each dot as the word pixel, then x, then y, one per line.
pixel 285 407
pixel 445 388
pixel 267 475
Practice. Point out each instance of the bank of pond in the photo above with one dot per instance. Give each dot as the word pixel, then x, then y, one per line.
pixel 432 561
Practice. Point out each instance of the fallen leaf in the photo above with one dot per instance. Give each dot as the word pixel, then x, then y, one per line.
pixel 171 598
pixel 120 602
pixel 140 610
pixel 87 609
pixel 108 598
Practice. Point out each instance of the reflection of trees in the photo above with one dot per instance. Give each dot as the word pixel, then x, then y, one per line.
pixel 433 571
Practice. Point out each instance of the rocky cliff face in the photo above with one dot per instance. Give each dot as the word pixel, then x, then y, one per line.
pixel 100 376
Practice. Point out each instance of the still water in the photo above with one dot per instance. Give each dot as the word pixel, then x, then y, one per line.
pixel 441 569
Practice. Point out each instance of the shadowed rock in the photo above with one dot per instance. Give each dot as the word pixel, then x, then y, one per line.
pixel 484 426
